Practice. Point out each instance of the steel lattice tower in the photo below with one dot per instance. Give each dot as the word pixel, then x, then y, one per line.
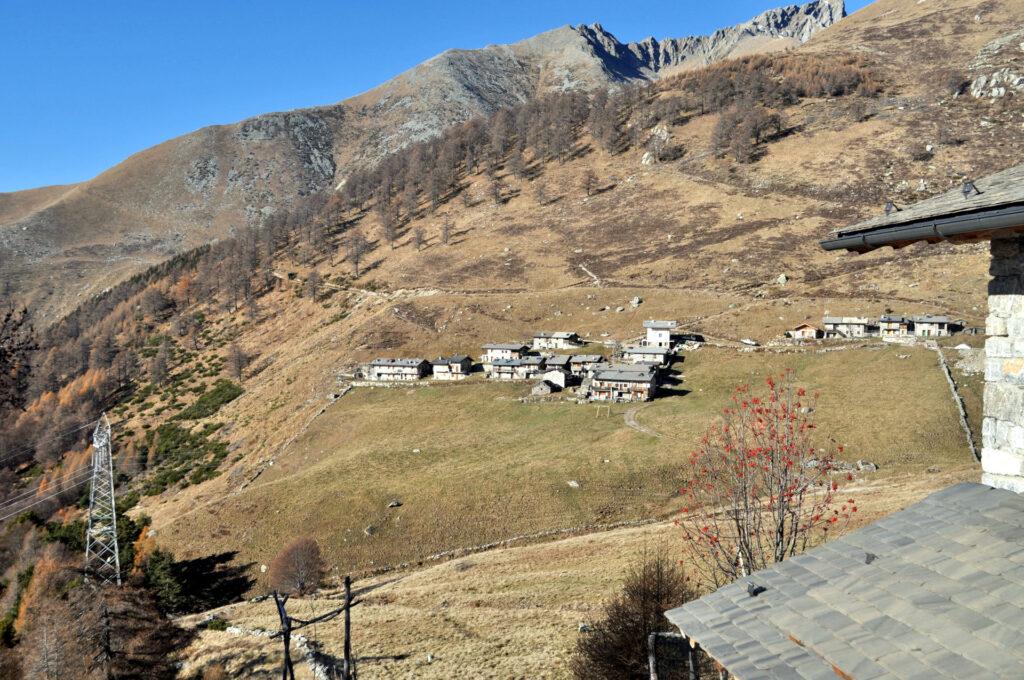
pixel 102 559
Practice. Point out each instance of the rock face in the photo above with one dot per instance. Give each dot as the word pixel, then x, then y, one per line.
pixel 59 245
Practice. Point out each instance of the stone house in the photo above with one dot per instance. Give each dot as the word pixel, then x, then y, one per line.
pixel 386 370
pixel 930 326
pixel 544 388
pixel 457 367
pixel 890 326
pixel 639 354
pixel 659 333
pixel 804 331
pixel 619 384
pixel 581 364
pixel 847 326
pixel 556 340
pixel 530 367
pixel 557 376
pixel 504 369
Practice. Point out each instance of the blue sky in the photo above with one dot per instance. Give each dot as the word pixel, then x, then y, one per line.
pixel 86 84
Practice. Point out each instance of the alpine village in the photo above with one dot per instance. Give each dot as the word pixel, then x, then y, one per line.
pixel 571 357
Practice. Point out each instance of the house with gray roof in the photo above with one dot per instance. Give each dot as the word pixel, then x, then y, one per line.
pixel 935 590
pixel 847 326
pixel 635 354
pixel 620 383
pixel 503 350
pixel 659 332
pixel 457 367
pixel 932 326
pixel 581 364
pixel 386 370
pixel 556 340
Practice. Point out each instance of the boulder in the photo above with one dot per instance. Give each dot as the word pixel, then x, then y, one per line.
pixel 648 159
pixel 395 504
pixel 636 302
pixel 782 280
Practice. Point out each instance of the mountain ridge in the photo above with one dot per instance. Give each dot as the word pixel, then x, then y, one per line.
pixel 60 245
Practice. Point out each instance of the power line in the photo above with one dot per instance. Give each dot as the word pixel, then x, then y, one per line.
pixel 102 557
pixel 27 448
pixel 41 500
pixel 25 495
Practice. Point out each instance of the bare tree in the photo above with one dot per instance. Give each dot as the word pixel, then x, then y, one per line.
pixel 446 229
pixel 236 361
pixel 418 238
pixel 760 489
pixel 589 181
pixel 297 568
pixel 540 193
pixel 496 192
pixel 356 246
pixel 160 366
pixel 312 285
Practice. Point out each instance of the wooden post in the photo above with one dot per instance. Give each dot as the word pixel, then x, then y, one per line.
pixel 347 668
pixel 691 659
pixel 287 671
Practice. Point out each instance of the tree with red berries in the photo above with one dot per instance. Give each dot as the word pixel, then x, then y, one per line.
pixel 761 490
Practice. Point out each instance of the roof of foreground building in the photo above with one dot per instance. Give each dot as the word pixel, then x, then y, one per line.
pixel 935 590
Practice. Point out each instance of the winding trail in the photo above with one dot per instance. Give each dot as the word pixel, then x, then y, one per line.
pixel 630 418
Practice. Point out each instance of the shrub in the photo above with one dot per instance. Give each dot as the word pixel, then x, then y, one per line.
pixel 616 646
pixel 209 403
pixel 297 568
pixel 760 489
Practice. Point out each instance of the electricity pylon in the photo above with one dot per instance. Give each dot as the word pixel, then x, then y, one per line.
pixel 102 559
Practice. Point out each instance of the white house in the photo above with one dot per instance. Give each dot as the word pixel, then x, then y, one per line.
pixel 639 354
pixel 930 326
pixel 556 340
pixel 456 367
pixel 558 377
pixel 503 350
pixel 846 326
pixel 397 369
pixel 659 333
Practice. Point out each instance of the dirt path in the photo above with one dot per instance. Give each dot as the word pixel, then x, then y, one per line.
pixel 630 417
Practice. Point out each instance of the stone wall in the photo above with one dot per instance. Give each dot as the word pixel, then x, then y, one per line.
pixel 1002 455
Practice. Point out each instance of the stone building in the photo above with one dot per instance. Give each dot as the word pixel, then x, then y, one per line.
pixel 804 331
pixel 931 326
pixel 639 354
pixel 891 326
pixel 503 350
pixel 386 370
pixel 847 326
pixel 456 367
pixel 989 209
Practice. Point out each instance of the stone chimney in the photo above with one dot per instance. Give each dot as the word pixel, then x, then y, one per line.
pixel 1002 454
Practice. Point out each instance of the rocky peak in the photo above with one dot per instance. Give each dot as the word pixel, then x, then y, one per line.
pixel 647 58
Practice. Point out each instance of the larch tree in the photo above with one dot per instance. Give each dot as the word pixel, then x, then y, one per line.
pixel 356 246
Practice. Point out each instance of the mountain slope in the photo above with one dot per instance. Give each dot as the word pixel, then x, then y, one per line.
pixel 60 245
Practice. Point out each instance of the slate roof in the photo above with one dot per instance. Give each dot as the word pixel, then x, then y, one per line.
pixel 997 190
pixel 641 349
pixel 928 318
pixel 409 363
pixel 559 360
pixel 505 345
pixel 586 358
pixel 660 325
pixel 560 335
pixel 943 596
pixel 623 375
pixel 446 361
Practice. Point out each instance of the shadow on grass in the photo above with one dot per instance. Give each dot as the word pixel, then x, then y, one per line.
pixel 213 581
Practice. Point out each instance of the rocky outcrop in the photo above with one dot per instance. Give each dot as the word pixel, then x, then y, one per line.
pixel 650 57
